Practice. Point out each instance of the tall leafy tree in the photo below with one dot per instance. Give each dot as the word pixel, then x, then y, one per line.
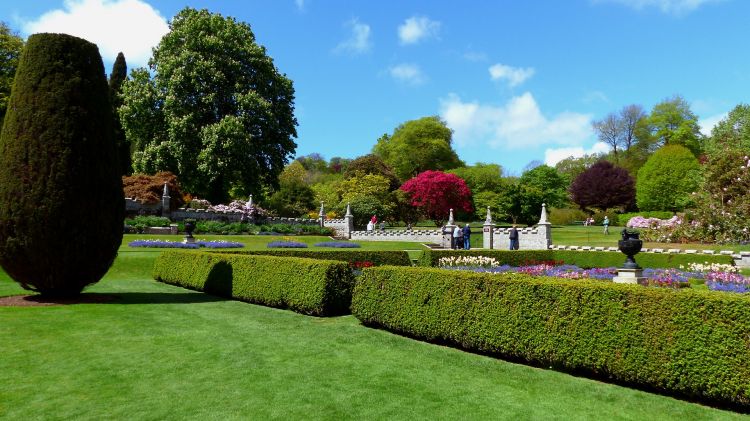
pixel 551 186
pixel 372 164
pixel 733 131
pixel 603 186
pixel 417 146
pixel 436 192
pixel 61 197
pixel 217 112
pixel 673 123
pixel 11 46
pixel 668 180
pixel 294 197
pixel 116 78
pixel 572 167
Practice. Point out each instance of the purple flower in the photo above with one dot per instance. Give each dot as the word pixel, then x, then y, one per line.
pixel 162 244
pixel 338 244
pixel 286 244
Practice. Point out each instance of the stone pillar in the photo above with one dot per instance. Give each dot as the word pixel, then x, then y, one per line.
pixel 322 216
pixel 544 227
pixel 488 231
pixel 449 227
pixel 349 222
pixel 165 201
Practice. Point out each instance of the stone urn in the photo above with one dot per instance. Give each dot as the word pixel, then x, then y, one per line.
pixel 189 228
pixel 630 245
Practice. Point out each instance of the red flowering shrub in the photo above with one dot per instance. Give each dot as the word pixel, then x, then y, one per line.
pixel 436 192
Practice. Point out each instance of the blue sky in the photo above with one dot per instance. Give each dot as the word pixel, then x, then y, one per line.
pixel 516 80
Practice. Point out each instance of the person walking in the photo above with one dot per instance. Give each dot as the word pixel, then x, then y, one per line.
pixel 457 234
pixel 606 225
pixel 513 236
pixel 467 237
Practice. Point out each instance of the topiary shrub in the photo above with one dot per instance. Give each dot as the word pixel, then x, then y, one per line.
pixel 687 342
pixel 667 180
pixel 61 198
pixel 307 286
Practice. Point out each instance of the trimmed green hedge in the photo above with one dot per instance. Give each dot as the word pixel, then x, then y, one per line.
pixel 582 259
pixel 307 286
pixel 687 342
pixel 378 258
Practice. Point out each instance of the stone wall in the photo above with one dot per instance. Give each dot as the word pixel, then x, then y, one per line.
pixel 421 236
pixel 538 237
pixel 532 238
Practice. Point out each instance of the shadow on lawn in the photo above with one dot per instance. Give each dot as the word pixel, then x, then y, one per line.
pixel 162 298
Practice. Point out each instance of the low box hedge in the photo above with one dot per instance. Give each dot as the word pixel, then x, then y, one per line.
pixel 687 342
pixel 376 257
pixel 580 258
pixel 307 286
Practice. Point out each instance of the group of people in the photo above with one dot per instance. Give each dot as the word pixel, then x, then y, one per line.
pixel 460 237
pixel 590 221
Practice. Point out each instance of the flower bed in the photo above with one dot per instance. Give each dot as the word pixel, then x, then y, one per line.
pixel 717 277
pixel 216 244
pixel 338 244
pixel 286 245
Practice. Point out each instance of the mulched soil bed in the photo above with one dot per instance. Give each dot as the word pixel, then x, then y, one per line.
pixel 36 300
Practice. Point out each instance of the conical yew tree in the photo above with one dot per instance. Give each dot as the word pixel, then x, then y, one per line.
pixel 61 200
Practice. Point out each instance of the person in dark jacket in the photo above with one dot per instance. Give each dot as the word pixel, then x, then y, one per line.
pixel 513 236
pixel 467 235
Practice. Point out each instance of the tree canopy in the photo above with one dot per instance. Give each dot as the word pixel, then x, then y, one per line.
pixel 673 123
pixel 217 112
pixel 372 164
pixel 11 46
pixel 732 131
pixel 435 193
pixel 668 179
pixel 603 186
pixel 417 146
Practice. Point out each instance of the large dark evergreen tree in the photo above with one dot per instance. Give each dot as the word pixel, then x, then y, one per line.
pixel 603 186
pixel 61 198
pixel 116 78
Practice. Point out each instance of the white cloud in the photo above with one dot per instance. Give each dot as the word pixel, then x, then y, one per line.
pixel 359 39
pixel 130 26
pixel 416 29
pixel 407 73
pixel 300 5
pixel 513 75
pixel 519 123
pixel 554 155
pixel 707 124
pixel 672 7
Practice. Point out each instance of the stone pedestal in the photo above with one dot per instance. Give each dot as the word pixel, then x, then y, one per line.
pixel 189 240
pixel 629 276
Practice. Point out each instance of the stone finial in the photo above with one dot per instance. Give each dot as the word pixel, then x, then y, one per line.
pixel 450 217
pixel 166 190
pixel 250 201
pixel 543 218
pixel 348 212
pixel 322 213
pixel 488 220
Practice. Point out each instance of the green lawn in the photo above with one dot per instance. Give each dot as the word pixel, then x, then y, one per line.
pixel 162 352
pixel 594 236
